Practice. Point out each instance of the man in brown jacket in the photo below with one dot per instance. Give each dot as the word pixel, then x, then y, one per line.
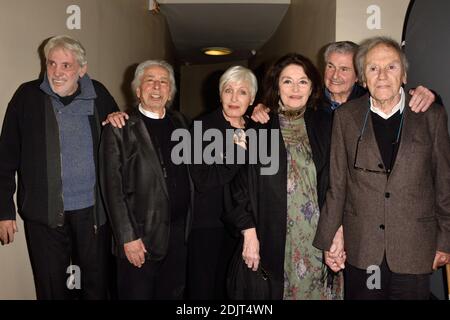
pixel 389 184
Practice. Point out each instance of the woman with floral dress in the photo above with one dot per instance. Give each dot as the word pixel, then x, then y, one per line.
pixel 278 213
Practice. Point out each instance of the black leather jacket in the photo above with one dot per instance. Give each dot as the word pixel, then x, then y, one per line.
pixel 133 187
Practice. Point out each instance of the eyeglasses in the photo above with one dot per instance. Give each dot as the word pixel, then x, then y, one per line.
pixel 394 146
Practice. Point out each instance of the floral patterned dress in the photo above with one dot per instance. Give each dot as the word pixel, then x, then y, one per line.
pixel 305 276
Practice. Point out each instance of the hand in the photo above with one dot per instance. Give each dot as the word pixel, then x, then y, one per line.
pixel 250 251
pixel 7 230
pixel 335 258
pixel 421 100
pixel 135 252
pixel 260 113
pixel 116 119
pixel 440 259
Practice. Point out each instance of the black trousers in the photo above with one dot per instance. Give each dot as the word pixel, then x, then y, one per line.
pixel 156 280
pixel 209 253
pixel 53 250
pixel 393 286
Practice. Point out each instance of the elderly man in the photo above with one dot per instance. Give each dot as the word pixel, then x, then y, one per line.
pixel 147 196
pixel 49 138
pixel 389 183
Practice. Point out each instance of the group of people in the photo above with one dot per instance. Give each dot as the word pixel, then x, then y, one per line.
pixel 360 178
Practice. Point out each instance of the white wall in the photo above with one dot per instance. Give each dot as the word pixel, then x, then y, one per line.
pixel 360 19
pixel 307 26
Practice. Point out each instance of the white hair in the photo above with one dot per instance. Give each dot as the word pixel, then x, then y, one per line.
pixel 67 43
pixel 140 69
pixel 239 74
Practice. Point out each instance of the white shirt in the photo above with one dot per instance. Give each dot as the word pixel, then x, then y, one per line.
pixel 151 115
pixel 399 106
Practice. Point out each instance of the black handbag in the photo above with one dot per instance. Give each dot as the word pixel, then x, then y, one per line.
pixel 245 284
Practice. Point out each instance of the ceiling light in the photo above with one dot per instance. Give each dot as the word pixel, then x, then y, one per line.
pixel 217 51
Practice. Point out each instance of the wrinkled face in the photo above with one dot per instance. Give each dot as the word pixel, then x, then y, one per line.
pixel 340 75
pixel 154 90
pixel 384 74
pixel 63 71
pixel 235 97
pixel 294 86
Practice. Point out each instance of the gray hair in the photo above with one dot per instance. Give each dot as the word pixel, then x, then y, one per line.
pixel 239 74
pixel 369 44
pixel 140 69
pixel 67 43
pixel 343 47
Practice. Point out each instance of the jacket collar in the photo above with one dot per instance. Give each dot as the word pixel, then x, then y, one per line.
pixel 149 114
pixel 143 137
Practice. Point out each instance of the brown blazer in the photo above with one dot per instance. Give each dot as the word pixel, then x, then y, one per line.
pixel 405 216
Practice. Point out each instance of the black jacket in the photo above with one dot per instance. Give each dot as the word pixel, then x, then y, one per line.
pixel 29 145
pixel 260 201
pixel 209 179
pixel 133 186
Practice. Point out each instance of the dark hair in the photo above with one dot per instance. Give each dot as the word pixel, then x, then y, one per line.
pixel 271 85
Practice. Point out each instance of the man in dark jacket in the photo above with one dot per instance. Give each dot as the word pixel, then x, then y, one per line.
pixel 147 196
pixel 50 136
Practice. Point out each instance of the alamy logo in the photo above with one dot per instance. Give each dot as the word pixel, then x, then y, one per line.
pixel 191 148
pixel 74 279
pixel 74 20
pixel 374 280
pixel 374 20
